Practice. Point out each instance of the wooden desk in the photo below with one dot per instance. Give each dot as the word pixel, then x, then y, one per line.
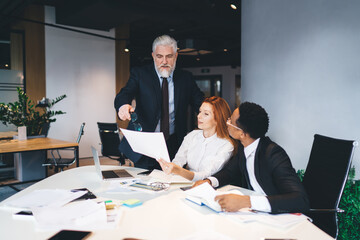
pixel 7 135
pixel 34 151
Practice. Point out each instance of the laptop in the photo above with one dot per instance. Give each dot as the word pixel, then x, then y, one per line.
pixel 120 174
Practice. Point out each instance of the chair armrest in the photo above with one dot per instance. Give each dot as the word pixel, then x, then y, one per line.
pixel 327 210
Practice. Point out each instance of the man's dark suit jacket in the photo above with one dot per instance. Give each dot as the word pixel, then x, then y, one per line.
pixel 274 173
pixel 144 86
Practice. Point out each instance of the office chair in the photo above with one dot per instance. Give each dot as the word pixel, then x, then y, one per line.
pixel 324 179
pixel 110 141
pixel 57 161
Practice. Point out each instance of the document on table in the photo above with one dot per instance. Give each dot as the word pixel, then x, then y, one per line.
pixel 284 220
pixel 45 198
pixel 83 215
pixel 160 176
pixel 205 195
pixel 151 144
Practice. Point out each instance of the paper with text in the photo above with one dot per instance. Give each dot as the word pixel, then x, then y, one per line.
pixel 151 144
pixel 158 175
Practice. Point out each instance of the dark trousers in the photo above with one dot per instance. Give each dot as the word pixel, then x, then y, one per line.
pixel 151 163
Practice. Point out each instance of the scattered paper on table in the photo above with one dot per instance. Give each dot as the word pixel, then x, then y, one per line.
pixel 45 198
pixel 82 215
pixel 160 176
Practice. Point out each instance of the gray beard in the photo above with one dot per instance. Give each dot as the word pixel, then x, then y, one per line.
pixel 165 73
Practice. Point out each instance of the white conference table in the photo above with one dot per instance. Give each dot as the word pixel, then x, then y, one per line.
pixel 165 215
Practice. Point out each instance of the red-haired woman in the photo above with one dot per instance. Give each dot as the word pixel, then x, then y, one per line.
pixel 206 150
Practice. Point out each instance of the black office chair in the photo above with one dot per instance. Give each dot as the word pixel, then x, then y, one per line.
pixel 110 141
pixel 325 178
pixel 58 162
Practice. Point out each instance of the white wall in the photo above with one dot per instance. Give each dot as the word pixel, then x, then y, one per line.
pixel 301 61
pixel 82 67
pixel 228 80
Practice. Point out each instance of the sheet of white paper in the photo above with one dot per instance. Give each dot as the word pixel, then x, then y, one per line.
pixel 276 220
pixel 123 187
pixel 159 176
pixel 45 198
pixel 151 144
pixel 82 215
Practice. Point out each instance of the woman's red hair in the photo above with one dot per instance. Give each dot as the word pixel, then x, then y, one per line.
pixel 222 112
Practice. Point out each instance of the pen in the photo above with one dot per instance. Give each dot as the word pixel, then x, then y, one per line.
pixel 129 181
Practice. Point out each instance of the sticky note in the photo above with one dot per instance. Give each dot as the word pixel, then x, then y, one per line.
pixel 132 203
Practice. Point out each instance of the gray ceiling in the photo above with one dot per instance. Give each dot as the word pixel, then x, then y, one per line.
pixel 210 24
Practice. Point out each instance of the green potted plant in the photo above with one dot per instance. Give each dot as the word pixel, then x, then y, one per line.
pixel 23 112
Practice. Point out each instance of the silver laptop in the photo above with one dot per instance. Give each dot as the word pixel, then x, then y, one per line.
pixel 120 174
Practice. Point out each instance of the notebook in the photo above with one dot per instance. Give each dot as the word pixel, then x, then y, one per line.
pixel 120 174
pixel 204 195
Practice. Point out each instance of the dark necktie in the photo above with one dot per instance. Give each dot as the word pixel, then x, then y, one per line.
pixel 164 122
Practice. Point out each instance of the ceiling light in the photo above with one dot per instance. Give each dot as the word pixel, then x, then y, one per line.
pixel 127 47
pixel 6 65
pixel 225 50
pixel 233 6
pixel 193 47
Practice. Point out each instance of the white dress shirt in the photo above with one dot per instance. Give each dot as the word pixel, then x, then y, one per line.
pixel 204 156
pixel 260 203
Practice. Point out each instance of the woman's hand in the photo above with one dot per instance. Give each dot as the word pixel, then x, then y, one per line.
pixel 167 167
pixel 197 183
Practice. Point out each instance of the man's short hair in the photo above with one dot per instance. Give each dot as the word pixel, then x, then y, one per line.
pixel 253 119
pixel 165 40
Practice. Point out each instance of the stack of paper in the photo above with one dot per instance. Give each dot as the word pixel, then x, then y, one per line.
pixel 78 215
pixel 160 176
pixel 45 198
pixel 53 209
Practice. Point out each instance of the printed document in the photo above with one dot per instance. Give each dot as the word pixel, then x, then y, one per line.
pixel 158 175
pixel 151 144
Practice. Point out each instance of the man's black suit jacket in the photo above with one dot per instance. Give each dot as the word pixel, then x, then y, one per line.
pixel 273 172
pixel 144 86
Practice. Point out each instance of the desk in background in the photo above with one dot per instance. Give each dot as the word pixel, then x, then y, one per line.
pixel 165 215
pixel 7 135
pixel 32 153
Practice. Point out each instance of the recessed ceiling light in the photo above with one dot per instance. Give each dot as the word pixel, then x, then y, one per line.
pixel 126 50
pixel 233 6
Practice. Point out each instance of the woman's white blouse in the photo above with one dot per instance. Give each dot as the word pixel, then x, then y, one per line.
pixel 204 156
